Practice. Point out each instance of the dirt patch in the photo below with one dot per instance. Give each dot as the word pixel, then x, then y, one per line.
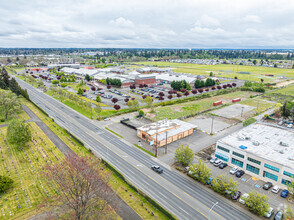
pixel 285 83
pixel 206 153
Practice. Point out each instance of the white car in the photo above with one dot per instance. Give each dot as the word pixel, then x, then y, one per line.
pixel 243 197
pixel 269 213
pixel 234 170
pixel 276 189
pixel 106 119
pixel 290 126
pixel 213 159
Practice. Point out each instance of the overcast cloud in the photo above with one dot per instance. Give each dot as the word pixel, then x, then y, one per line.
pixel 147 23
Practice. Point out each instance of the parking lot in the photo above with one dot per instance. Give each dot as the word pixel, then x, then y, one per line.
pixel 209 124
pixel 248 183
pixel 233 111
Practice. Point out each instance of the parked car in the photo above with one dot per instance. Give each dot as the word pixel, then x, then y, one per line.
pixel 106 119
pixel 236 195
pixel 208 182
pixel 212 160
pixel 240 173
pixel 269 213
pixel 267 185
pixel 279 215
pixel 157 168
pixel 290 126
pixel 217 162
pixel 234 170
pixel 276 189
pixel 223 165
pixel 281 123
pixel 187 169
pixel 243 198
pixel 284 193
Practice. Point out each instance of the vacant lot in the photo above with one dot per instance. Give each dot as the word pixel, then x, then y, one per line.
pixel 227 70
pixel 184 109
pixel 286 91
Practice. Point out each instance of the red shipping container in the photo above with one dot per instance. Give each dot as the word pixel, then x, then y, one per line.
pixel 236 100
pixel 217 103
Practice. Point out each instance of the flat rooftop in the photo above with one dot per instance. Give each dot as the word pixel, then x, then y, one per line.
pixel 165 125
pixel 265 140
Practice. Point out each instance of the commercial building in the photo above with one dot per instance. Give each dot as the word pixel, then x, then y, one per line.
pixel 145 79
pixel 72 65
pixel 165 131
pixel 262 150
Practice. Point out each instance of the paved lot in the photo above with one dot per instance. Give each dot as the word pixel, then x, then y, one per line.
pixel 248 184
pixel 209 124
pixel 233 111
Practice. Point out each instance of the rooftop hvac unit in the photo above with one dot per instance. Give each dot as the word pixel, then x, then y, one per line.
pixel 281 152
pixel 256 143
pixel 241 138
pixel 247 138
pixel 291 158
pixel 283 144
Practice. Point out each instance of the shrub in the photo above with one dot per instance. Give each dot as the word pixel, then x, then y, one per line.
pixel 141 112
pixel 63 85
pixel 5 183
pixel 55 82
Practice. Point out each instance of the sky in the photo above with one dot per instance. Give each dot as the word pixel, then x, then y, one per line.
pixel 147 23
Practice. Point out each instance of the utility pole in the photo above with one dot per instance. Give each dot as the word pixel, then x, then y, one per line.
pixel 91 110
pixel 166 142
pixel 242 111
pixel 156 146
pixel 211 125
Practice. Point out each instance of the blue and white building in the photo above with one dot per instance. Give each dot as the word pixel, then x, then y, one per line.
pixel 262 150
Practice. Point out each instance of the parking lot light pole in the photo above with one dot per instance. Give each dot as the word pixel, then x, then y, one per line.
pixel 211 130
pixel 242 111
pixel 211 209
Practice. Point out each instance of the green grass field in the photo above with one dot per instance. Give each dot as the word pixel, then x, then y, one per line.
pixel 76 86
pixel 184 109
pixel 226 70
pixel 285 91
pixel 24 167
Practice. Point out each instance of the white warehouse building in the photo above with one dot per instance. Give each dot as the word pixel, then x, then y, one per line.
pixel 262 150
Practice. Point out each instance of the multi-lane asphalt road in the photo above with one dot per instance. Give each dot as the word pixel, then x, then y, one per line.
pixel 181 196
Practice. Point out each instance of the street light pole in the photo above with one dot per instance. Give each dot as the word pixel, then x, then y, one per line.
pixel 211 209
pixel 242 111
pixel 156 153
pixel 211 125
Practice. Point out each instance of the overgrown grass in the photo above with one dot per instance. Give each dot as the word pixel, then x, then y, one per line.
pixel 189 108
pixel 249 121
pixel 289 90
pixel 143 149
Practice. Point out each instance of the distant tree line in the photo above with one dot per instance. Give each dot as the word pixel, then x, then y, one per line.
pixel 118 54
